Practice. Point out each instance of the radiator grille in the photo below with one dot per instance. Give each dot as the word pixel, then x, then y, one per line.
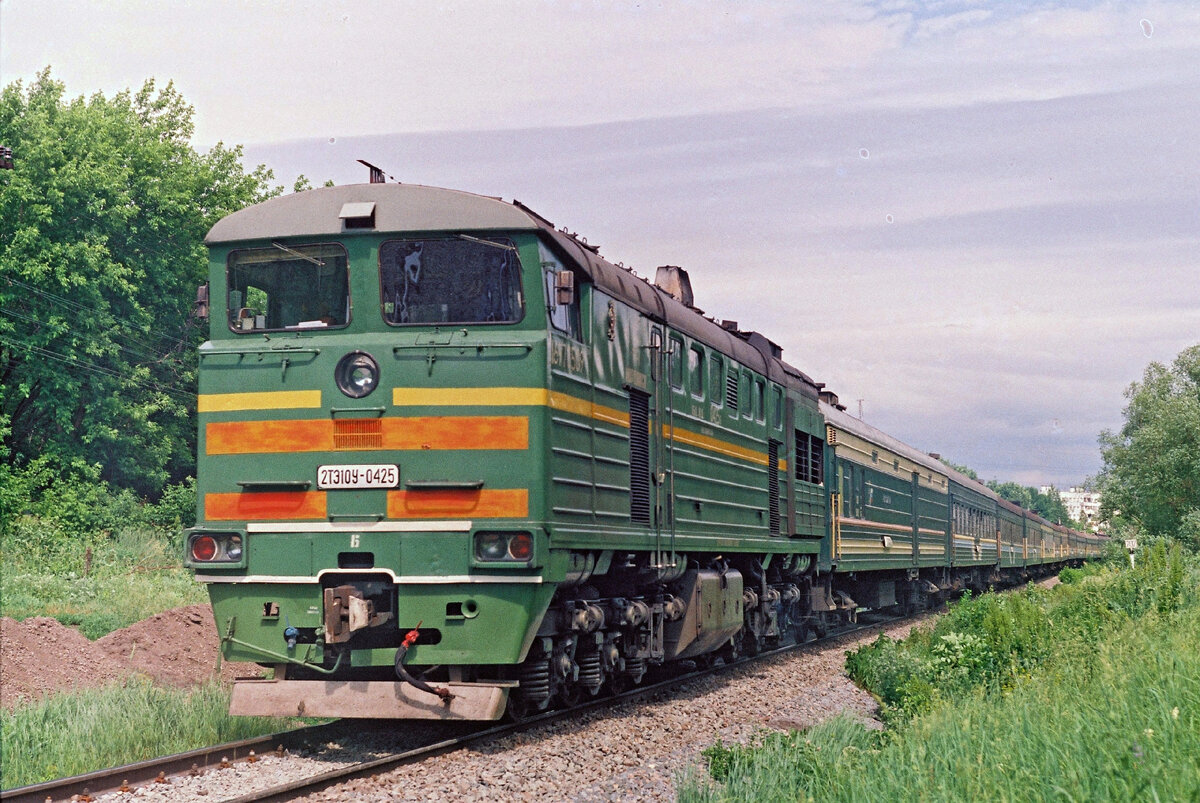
pixel 773 486
pixel 358 433
pixel 639 457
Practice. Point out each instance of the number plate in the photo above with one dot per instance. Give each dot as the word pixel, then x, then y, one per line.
pixel 370 475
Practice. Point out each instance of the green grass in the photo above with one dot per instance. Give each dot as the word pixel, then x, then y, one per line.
pixel 70 734
pixel 133 574
pixel 1097 697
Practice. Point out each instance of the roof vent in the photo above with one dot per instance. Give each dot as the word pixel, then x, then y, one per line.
pixel 673 280
pixel 764 345
pixel 358 215
pixel 829 397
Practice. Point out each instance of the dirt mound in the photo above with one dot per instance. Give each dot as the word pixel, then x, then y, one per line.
pixel 40 656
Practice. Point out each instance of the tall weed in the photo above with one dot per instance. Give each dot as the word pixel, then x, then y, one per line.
pixel 74 733
pixel 1110 710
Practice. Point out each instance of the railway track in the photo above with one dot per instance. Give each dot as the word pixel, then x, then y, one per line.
pixel 149 772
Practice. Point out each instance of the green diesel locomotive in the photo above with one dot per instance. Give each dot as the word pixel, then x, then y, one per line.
pixel 452 463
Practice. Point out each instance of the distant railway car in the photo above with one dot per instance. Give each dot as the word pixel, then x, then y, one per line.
pixel 452 463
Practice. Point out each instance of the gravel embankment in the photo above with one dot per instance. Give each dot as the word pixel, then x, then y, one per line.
pixel 633 751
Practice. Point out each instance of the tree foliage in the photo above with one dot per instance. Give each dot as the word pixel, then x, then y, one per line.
pixel 101 249
pixel 1047 505
pixel 1152 465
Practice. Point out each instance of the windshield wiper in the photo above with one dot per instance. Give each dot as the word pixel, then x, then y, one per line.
pixel 470 239
pixel 295 253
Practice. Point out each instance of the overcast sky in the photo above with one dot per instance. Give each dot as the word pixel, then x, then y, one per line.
pixel 980 218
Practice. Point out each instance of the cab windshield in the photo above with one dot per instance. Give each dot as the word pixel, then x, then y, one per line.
pixel 460 280
pixel 288 287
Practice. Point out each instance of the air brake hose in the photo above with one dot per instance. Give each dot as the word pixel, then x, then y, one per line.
pixel 410 638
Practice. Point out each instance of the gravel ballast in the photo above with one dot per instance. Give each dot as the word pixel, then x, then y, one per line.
pixel 631 751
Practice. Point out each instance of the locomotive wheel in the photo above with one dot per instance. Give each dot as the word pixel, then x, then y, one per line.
pixel 519 709
pixel 570 695
pixel 731 651
pixel 617 684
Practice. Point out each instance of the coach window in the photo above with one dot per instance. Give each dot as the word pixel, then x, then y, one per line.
pixel 288 287
pixel 696 371
pixel 746 392
pixel 760 400
pixel 777 407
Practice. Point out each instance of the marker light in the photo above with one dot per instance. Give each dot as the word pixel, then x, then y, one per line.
pixel 204 548
pixel 520 547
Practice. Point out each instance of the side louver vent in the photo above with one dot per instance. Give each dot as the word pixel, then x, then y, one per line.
pixel 731 390
pixel 773 486
pixel 639 457
pixel 830 435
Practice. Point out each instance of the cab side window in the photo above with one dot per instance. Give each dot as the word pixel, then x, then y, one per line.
pixel 696 371
pixel 564 317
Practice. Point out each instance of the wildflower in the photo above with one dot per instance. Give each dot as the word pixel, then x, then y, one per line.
pixel 1149 733
pixel 1175 712
pixel 1137 751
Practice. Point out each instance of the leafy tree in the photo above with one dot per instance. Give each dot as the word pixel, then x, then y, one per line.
pixel 1151 470
pixel 1047 505
pixel 101 249
pixel 970 472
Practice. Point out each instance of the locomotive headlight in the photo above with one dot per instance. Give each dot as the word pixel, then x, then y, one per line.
pixel 357 374
pixel 233 548
pixel 491 546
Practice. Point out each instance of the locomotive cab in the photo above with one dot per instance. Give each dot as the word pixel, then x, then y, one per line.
pixel 370 438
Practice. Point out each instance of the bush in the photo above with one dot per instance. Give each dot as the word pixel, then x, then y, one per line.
pixel 74 500
pixel 1100 702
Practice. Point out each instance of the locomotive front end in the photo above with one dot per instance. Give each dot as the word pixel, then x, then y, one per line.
pixel 371 415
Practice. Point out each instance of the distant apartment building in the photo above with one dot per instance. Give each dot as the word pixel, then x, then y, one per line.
pixel 1081 505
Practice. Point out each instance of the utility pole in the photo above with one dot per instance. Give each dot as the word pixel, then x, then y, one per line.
pixel 860 401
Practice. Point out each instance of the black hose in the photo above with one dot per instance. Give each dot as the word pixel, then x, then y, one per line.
pixel 403 674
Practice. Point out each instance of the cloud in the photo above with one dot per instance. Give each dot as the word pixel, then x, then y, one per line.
pixel 981 218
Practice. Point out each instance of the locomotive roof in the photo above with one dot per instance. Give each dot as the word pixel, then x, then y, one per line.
pixel 415 208
pixel 398 208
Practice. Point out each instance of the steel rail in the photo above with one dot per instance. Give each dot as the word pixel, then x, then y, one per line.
pixel 316 783
pixel 144 772
pixel 210 758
